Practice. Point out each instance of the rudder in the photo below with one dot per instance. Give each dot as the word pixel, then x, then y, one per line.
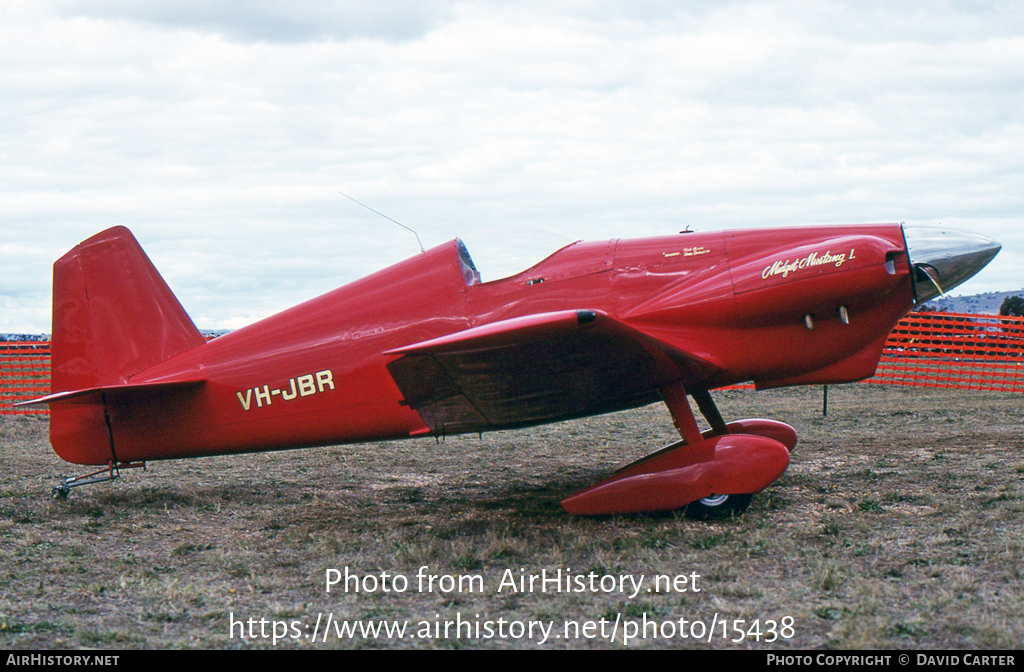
pixel 113 316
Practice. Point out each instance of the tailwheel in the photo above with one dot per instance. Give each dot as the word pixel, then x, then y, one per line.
pixel 718 506
pixel 111 472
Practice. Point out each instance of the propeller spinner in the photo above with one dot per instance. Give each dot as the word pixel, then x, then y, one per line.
pixel 943 259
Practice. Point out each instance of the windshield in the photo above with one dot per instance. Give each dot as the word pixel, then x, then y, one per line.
pixel 469 273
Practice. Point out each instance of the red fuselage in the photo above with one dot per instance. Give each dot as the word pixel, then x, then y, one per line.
pixel 778 307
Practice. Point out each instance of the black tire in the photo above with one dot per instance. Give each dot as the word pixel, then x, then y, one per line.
pixel 721 506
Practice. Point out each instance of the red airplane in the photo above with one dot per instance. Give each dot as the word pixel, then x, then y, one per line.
pixel 425 349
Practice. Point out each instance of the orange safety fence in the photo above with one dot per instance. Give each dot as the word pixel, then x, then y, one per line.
pixel 951 350
pixel 955 350
pixel 24 374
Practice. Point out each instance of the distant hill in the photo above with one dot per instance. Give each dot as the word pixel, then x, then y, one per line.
pixel 207 333
pixel 24 337
pixel 987 303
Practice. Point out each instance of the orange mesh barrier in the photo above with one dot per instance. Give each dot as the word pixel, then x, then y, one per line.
pixel 24 374
pixel 955 350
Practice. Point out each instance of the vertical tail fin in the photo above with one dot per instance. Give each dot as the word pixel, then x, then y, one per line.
pixel 113 316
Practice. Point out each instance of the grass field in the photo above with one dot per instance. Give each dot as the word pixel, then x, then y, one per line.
pixel 898 525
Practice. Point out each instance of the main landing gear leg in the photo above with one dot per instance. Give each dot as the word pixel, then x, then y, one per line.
pixel 714 506
pixel 682 415
pixel 709 410
pixel 109 473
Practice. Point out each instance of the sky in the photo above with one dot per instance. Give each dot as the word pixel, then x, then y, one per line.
pixel 223 134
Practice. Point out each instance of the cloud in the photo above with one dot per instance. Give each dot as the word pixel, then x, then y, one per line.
pixel 266 20
pixel 519 126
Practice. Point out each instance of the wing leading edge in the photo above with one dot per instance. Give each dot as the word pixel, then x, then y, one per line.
pixel 535 369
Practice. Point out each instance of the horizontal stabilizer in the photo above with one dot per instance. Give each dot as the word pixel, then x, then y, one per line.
pixel 97 396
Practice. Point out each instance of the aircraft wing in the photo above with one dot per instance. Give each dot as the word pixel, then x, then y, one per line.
pixel 534 369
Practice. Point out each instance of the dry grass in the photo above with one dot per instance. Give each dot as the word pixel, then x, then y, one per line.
pixel 898 524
